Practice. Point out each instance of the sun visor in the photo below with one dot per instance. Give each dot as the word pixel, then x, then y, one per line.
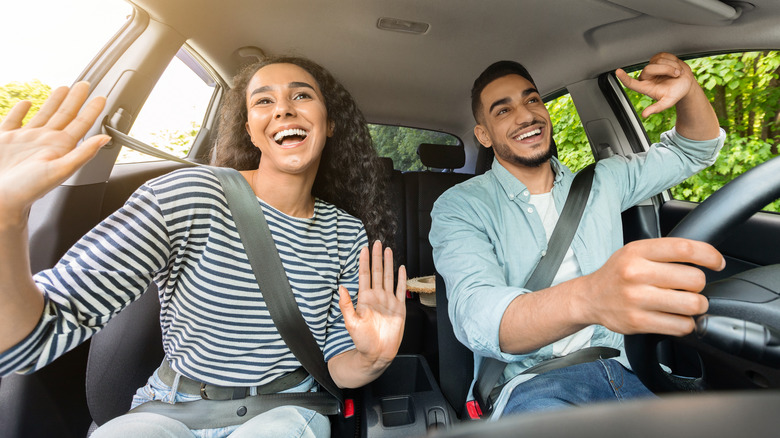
pixel 700 12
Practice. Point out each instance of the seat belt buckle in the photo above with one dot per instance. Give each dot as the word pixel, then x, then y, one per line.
pixel 473 410
pixel 349 408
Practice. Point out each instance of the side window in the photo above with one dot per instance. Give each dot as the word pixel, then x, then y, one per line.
pixel 573 147
pixel 400 143
pixel 744 89
pixel 174 111
pixel 34 63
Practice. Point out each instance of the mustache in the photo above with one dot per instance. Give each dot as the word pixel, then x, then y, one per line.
pixel 527 125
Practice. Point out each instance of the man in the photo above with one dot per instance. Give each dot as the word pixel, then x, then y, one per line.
pixel 489 233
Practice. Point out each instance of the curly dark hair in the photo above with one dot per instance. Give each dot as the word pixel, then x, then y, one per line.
pixel 350 175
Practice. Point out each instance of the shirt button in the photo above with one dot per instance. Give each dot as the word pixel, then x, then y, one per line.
pixel 511 196
pixel 530 209
pixel 544 253
pixel 525 193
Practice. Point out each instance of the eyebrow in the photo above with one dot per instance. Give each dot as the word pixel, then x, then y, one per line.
pixel 506 100
pixel 267 88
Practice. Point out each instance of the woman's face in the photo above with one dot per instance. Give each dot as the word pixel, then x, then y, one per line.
pixel 287 119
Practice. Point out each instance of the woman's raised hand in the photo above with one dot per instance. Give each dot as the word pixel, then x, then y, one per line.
pixel 376 324
pixel 37 157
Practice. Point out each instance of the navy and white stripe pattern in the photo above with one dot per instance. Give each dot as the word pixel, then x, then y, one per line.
pixel 177 231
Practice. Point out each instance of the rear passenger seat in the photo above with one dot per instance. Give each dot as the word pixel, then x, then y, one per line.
pixel 413 194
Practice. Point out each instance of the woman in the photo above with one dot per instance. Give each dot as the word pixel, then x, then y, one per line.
pixel 298 138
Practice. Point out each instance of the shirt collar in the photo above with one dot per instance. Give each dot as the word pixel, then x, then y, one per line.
pixel 512 186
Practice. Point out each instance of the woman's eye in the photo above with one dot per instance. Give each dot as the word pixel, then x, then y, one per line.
pixel 300 96
pixel 263 101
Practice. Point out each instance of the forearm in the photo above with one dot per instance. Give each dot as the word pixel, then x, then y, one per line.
pixel 536 319
pixel 352 369
pixel 696 119
pixel 21 302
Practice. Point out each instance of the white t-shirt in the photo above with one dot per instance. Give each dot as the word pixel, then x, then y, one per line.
pixel 569 269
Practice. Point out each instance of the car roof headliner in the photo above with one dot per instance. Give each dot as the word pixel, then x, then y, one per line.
pixel 424 80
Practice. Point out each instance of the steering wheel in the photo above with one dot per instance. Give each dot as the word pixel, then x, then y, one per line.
pixel 738 339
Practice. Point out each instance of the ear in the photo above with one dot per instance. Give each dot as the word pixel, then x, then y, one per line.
pixel 331 127
pixel 248 131
pixel 482 136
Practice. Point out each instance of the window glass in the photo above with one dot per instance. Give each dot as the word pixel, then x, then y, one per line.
pixel 35 62
pixel 745 91
pixel 400 143
pixel 570 139
pixel 174 111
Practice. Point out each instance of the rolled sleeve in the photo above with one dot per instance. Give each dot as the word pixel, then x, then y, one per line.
pixel 476 287
pixel 667 163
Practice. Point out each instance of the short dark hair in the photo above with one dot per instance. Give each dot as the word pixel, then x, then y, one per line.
pixel 495 71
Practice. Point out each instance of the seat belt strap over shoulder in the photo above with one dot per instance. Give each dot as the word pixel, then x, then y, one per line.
pixel 272 279
pixel 491 369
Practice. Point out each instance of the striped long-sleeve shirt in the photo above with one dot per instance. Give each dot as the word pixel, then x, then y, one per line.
pixel 178 232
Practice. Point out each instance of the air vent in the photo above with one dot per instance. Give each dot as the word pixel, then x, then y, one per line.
pixel 405 26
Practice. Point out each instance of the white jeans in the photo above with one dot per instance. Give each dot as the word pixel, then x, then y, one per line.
pixel 285 421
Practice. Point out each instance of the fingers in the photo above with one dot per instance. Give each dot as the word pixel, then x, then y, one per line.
pixel 75 159
pixel 85 118
pixel 49 108
pixel 376 266
pixel 70 107
pixel 388 270
pixel 13 120
pixel 400 292
pixel 364 272
pixel 380 275
pixel 345 304
pixel 675 249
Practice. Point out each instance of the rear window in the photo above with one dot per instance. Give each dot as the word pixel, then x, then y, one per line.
pixel 400 143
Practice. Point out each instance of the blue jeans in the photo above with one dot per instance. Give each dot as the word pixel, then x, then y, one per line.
pixel 602 380
pixel 286 421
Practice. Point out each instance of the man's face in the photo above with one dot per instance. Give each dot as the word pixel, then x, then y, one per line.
pixel 515 123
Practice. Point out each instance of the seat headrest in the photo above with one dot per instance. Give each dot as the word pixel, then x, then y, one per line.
pixel 387 164
pixel 442 156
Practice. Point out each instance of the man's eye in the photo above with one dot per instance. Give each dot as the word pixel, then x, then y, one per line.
pixel 501 111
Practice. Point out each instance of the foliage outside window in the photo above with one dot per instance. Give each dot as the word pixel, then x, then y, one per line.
pixel 171 116
pixel 744 89
pixel 400 143
pixel 573 148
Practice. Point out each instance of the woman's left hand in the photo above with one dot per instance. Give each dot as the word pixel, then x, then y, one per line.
pixel 376 324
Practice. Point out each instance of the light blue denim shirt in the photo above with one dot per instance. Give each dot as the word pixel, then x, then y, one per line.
pixel 487 237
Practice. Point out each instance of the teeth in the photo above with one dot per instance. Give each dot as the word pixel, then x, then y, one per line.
pixel 289 132
pixel 529 134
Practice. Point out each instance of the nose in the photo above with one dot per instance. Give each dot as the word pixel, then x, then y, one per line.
pixel 523 115
pixel 284 108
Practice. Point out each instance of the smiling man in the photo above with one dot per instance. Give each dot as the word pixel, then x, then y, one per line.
pixel 489 233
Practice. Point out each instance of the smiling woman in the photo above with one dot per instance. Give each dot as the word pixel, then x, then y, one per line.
pixel 292 126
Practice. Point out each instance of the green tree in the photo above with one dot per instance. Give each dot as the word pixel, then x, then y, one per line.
pixel 35 91
pixel 569 135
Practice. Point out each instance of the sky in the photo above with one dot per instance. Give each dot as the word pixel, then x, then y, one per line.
pixel 37 44
pixel 53 40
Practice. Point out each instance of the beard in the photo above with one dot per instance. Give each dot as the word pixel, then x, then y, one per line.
pixel 503 151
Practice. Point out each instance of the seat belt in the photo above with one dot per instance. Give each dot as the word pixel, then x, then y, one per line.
pixel 491 369
pixel 271 277
pixel 266 265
